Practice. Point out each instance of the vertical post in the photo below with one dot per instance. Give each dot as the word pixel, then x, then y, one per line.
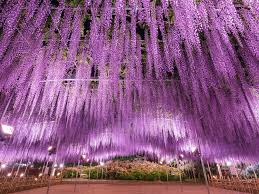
pixel 204 170
pixel 43 167
pixel 18 169
pixel 193 171
pixel 102 173
pixel 89 176
pixel 26 169
pixel 189 173
pixel 46 167
pixel 106 172
pixel 209 169
pixel 77 173
pixel 48 175
pixel 48 185
pixel 255 173
pixel 219 171
pixel 180 173
pixel 167 175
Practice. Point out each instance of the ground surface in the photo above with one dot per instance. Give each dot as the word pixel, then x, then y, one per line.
pixel 129 188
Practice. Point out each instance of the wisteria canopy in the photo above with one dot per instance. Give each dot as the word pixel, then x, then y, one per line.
pixel 119 77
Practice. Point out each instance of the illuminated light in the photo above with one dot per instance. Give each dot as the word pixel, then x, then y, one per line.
pixel 161 161
pixel 181 155
pixel 9 174
pixel 22 175
pixel 229 163
pixel 3 166
pixel 32 166
pixel 40 174
pixel 193 149
pixel 102 163
pixel 84 156
pixel 36 179
pixel 55 165
pixel 58 174
pixel 50 148
pixel 87 160
pixel 7 130
pixel 61 166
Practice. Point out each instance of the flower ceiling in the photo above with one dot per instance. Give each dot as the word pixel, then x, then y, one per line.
pixel 107 78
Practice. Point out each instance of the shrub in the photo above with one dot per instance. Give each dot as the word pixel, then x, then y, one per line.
pixel 128 170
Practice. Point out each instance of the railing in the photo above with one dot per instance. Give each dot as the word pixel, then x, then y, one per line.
pixel 10 185
pixel 243 185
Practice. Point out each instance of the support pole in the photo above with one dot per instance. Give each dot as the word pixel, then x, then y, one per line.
pixel 219 171
pixel 167 175
pixel 43 167
pixel 48 185
pixel 194 176
pixel 102 174
pixel 204 170
pixel 180 174
pixel 18 169
pixel 89 173
pixel 77 173
pixel 209 169
pixel 48 176
pixel 106 172
pixel 26 168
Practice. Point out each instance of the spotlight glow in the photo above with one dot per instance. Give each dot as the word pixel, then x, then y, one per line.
pixel 102 163
pixel 193 149
pixel 22 175
pixel 9 174
pixel 229 163
pixel 61 166
pixel 50 148
pixel 7 130
pixel 3 166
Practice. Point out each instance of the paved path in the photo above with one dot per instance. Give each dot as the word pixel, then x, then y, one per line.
pixel 129 188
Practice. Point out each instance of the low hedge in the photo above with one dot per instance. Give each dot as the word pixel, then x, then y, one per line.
pixel 133 175
pixel 124 170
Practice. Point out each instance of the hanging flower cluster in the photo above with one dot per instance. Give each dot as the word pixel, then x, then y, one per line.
pixel 103 75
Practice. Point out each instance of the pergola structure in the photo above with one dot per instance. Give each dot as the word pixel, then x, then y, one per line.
pixel 109 78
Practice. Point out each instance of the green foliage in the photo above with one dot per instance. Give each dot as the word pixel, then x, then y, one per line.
pixel 124 158
pixel 132 175
pixel 128 168
pixel 69 173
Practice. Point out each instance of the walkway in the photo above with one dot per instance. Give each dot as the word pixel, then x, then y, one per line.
pixel 129 188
